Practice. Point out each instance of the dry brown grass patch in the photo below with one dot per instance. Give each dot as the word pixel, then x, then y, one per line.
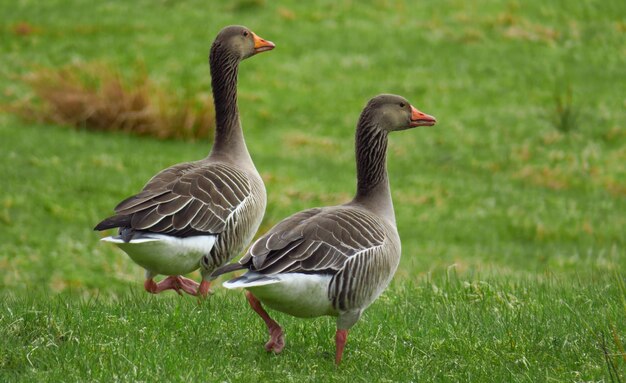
pixel 23 29
pixel 95 97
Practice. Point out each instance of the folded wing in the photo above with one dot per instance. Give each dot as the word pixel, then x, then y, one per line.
pixel 186 199
pixel 318 240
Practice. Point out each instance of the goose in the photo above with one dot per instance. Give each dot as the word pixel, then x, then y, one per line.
pixel 199 214
pixel 333 260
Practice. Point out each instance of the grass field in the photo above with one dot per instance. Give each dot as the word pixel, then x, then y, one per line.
pixel 512 223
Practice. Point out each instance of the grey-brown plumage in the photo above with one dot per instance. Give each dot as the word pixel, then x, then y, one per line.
pixel 358 249
pixel 187 199
pixel 213 206
pixel 334 260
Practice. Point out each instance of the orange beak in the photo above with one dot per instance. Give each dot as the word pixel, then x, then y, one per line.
pixel 262 45
pixel 421 119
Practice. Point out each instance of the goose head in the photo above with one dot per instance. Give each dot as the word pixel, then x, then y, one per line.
pixel 391 113
pixel 240 42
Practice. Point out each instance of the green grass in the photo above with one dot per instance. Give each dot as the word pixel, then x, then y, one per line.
pixel 532 217
pixel 443 329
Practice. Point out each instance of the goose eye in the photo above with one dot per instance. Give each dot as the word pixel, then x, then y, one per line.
pixel 402 105
pixel 245 33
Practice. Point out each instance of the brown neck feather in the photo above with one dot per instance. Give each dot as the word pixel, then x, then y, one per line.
pixel 371 165
pixel 229 139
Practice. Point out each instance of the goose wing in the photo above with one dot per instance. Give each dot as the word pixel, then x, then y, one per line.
pixel 319 240
pixel 185 199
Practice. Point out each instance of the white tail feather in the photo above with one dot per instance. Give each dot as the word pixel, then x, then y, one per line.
pixel 251 280
pixel 165 254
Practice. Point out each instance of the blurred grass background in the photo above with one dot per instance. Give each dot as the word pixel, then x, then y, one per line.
pixel 523 180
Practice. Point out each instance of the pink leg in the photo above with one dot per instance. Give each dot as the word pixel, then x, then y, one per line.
pixel 150 285
pixel 187 285
pixel 340 341
pixel 277 338
pixel 174 282
pixel 169 283
pixel 204 289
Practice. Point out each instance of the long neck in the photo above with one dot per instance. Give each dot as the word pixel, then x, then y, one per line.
pixel 373 190
pixel 229 142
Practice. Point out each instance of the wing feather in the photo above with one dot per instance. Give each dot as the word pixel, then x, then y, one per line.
pixel 316 240
pixel 186 199
pixel 173 206
pixel 183 219
pixel 144 221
